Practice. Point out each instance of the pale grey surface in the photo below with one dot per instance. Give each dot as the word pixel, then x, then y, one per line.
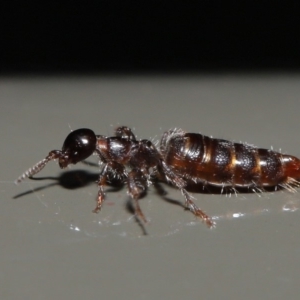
pixel 54 247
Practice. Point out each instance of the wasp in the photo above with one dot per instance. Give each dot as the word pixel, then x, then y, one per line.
pixel 181 158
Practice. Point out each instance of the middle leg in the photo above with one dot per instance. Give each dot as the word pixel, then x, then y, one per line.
pixel 137 186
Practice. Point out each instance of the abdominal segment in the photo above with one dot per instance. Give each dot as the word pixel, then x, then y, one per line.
pixel 223 163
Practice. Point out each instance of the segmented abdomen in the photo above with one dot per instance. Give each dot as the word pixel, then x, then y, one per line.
pixel 224 163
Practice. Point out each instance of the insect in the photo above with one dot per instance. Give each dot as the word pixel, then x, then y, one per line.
pixel 180 159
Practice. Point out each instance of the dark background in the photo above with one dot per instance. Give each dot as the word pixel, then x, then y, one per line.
pixel 126 36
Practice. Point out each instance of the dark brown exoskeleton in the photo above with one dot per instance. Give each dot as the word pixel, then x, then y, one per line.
pixel 182 158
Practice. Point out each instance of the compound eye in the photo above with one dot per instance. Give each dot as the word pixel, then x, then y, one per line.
pixel 78 145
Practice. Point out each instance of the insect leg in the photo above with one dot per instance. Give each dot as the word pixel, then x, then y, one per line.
pixel 111 170
pixel 101 182
pixel 196 210
pixel 189 203
pixel 137 185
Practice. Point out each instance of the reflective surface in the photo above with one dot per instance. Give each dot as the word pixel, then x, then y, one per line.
pixel 54 247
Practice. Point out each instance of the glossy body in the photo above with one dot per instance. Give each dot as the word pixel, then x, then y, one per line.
pixel 222 163
pixel 182 158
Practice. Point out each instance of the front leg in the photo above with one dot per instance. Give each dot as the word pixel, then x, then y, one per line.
pixel 137 186
pixel 110 169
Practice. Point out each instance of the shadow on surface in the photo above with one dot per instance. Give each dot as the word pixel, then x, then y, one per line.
pixel 77 179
